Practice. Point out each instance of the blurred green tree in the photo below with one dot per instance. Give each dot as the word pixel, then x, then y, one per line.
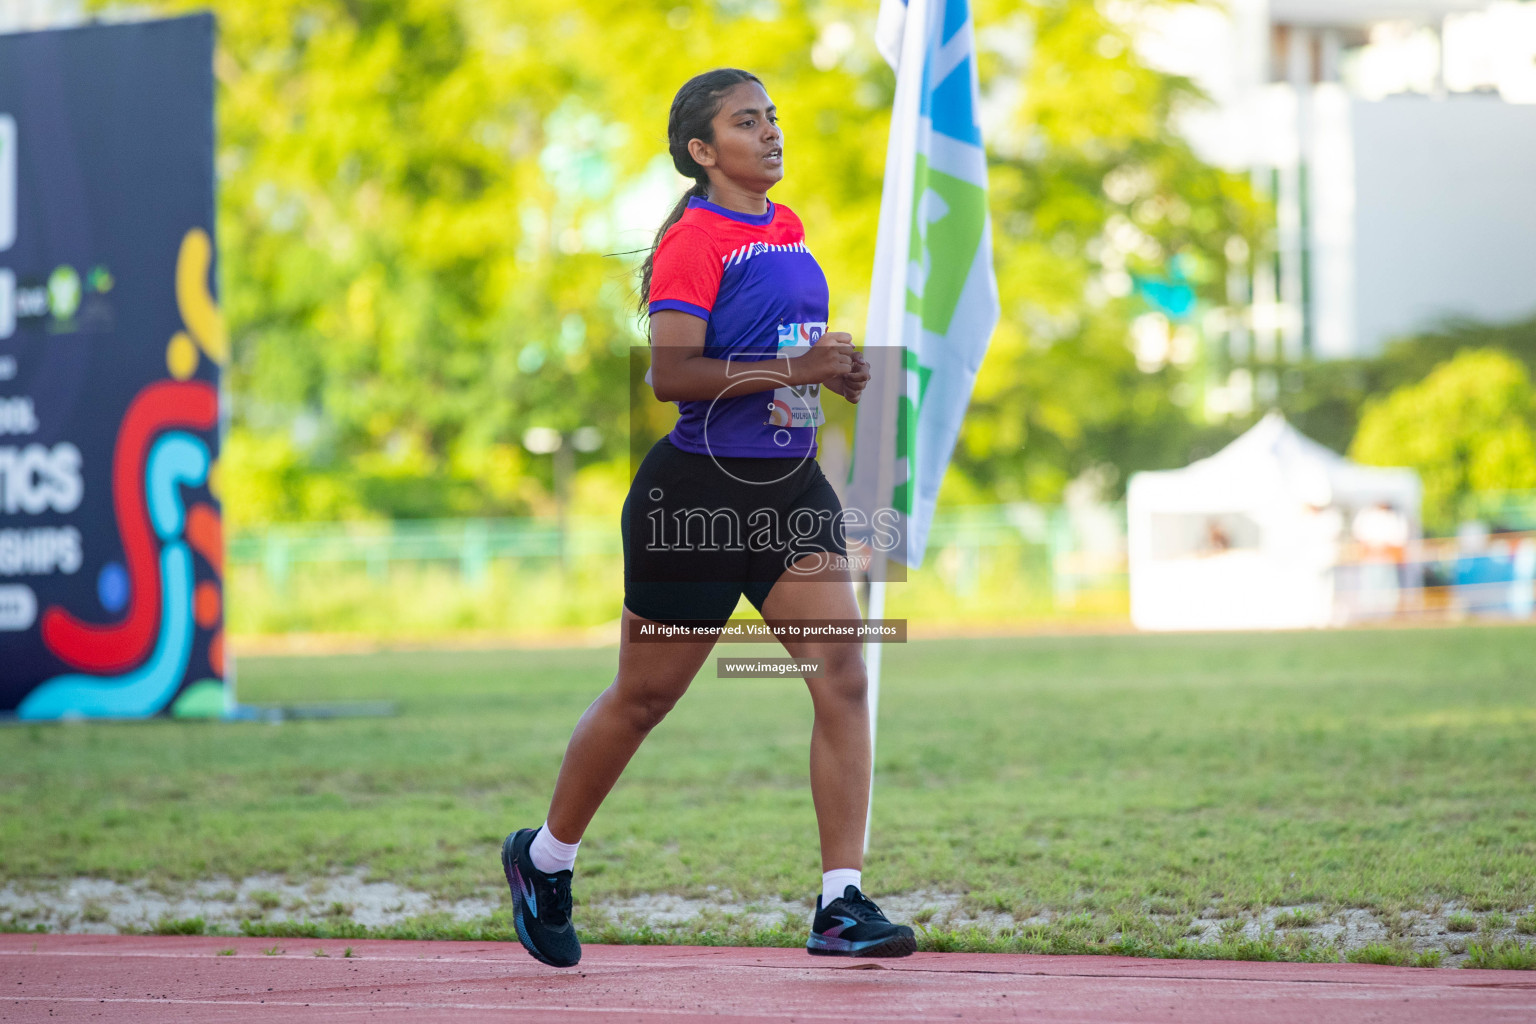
pixel 416 201
pixel 1468 427
pixel 1091 184
pixel 1325 399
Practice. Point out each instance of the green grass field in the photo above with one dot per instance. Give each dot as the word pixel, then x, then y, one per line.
pixel 1104 793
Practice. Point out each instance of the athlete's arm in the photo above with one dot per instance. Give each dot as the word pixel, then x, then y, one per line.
pixel 681 372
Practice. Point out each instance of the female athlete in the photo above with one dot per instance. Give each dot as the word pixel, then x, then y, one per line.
pixel 731 502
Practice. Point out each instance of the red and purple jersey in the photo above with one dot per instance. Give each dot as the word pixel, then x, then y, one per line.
pixel 762 295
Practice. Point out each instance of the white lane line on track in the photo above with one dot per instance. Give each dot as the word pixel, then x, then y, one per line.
pixel 275 956
pixel 1461 981
pixel 666 1011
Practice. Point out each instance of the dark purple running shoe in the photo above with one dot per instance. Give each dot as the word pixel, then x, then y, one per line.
pixel 853 926
pixel 541 904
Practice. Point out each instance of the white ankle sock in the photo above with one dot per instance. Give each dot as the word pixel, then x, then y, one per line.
pixel 550 854
pixel 833 882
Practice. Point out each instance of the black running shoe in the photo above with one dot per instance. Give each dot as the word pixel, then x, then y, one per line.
pixel 541 904
pixel 853 926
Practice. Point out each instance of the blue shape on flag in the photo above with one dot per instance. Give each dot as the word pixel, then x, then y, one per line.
pixel 950 102
pixel 956 14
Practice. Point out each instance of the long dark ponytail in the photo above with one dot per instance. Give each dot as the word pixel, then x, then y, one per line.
pixel 692 117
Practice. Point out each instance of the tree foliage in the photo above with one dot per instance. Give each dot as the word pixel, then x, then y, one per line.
pixel 1325 400
pixel 417 200
pixel 1468 427
pixel 1091 183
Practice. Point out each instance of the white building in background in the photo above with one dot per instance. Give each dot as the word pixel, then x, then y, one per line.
pixel 1398 139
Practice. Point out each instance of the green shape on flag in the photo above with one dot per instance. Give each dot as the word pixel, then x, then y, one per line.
pixel 203 699
pixel 907 409
pixel 949 242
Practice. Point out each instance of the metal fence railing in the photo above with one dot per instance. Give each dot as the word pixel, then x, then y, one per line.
pixel 470 544
pixel 1060 558
pixel 960 538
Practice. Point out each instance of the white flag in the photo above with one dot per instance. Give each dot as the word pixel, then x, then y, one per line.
pixel 934 292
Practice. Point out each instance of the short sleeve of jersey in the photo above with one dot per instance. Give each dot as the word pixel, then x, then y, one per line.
pixel 685 275
pixel 791 221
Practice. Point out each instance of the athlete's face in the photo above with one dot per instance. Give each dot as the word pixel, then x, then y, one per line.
pixel 748 147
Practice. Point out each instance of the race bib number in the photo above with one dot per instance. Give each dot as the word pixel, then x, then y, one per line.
pixel 797 406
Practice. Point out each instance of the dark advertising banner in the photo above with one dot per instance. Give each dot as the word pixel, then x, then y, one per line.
pixel 111 345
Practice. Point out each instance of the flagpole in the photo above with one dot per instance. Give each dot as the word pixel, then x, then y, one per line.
pixel 872 658
pixel 887 313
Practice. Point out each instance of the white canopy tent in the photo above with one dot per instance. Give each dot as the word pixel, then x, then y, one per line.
pixel 1250 537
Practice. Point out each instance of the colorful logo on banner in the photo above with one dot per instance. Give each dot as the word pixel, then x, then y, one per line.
pixel 135 664
pixel 111 348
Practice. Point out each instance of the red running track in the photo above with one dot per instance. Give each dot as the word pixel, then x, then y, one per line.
pixel 183 978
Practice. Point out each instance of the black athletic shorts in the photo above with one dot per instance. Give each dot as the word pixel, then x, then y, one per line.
pixel 700 531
